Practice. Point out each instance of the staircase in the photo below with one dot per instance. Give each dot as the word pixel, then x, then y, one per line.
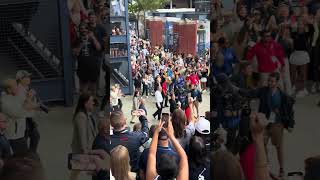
pixel 29 54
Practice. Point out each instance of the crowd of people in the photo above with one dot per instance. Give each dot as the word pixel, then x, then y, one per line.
pixel 263 54
pixel 175 83
pixel 89 42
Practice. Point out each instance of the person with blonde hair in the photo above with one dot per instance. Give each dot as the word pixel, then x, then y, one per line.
pixel 120 167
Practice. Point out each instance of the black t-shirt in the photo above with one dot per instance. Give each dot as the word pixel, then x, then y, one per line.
pixel 199 173
pixel 88 61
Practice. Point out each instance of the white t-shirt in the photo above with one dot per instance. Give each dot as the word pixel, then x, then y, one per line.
pixel 12 107
pixel 114 98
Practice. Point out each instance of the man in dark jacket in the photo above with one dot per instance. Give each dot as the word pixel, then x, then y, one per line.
pixel 102 142
pixel 278 108
pixel 131 140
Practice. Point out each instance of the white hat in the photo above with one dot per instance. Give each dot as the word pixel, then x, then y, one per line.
pixel 22 74
pixel 203 126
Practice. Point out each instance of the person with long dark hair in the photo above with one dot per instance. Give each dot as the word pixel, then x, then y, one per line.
pixel 199 165
pixel 84 128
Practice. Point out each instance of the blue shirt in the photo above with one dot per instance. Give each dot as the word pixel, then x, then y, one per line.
pixel 230 58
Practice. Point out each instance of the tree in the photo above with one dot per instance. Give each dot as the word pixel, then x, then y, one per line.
pixel 137 7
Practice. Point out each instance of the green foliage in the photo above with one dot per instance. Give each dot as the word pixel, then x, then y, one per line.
pixel 138 6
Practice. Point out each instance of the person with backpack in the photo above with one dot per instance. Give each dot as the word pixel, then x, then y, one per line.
pixel 278 108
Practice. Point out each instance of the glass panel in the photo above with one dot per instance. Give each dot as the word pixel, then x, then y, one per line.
pixel 118 28
pixel 117 8
pixel 118 50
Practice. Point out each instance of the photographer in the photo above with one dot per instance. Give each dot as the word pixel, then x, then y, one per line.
pixel 88 53
pixel 24 91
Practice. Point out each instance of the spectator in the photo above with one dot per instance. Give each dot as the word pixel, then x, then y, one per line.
pixel 99 33
pixel 114 96
pixel 229 58
pixel 167 166
pixel 277 107
pixel 202 127
pixel 5 148
pixel 84 128
pixel 136 103
pixel 131 140
pixel 197 98
pixel 159 103
pixel 120 163
pixel 14 108
pixel 173 103
pixel 102 142
pixel 270 56
pixel 199 165
pixel 88 60
pixel 184 129
pixel 24 80
pixel 163 148
pixel 300 59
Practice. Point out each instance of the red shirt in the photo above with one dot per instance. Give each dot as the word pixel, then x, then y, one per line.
pixel 264 54
pixel 188 112
pixel 194 79
pixel 164 87
pixel 247 160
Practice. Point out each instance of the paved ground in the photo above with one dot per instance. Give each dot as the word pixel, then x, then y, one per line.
pixel 56 134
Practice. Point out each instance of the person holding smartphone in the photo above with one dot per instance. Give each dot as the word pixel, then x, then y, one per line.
pixel 171 171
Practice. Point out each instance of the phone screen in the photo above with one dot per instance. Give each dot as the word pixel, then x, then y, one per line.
pixel 82 162
pixel 165 118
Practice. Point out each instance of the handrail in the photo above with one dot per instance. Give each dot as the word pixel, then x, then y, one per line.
pixel 26 58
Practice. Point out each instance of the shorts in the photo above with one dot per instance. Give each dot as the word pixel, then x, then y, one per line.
pixel 275 132
pixel 203 79
pixel 299 58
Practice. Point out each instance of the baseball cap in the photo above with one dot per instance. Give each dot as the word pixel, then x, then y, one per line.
pixel 22 74
pixel 203 126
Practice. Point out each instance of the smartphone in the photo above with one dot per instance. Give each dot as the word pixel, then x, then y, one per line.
pixel 165 118
pixel 82 162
